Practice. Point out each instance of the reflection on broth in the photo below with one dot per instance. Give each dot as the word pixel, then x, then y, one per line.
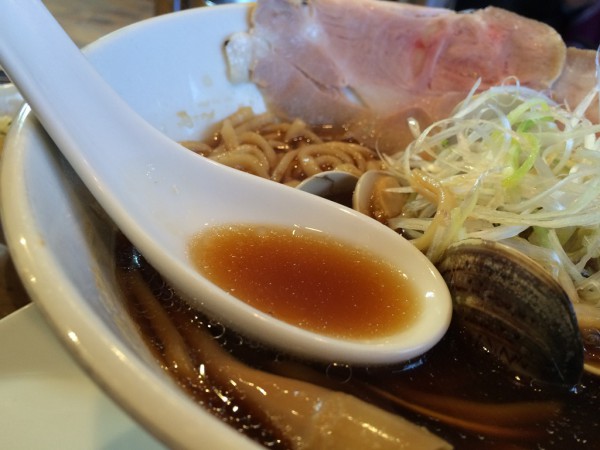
pixel 307 280
pixel 456 391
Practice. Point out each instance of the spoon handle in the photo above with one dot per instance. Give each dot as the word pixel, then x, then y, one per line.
pixel 128 165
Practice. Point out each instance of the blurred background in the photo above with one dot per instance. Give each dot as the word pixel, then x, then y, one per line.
pixel 578 21
pixel 87 20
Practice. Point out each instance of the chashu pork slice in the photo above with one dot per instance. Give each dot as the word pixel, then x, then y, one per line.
pixel 577 80
pixel 372 64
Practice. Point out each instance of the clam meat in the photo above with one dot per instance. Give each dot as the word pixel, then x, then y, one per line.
pixel 375 196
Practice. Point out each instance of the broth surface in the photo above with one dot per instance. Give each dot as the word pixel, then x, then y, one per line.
pixel 308 280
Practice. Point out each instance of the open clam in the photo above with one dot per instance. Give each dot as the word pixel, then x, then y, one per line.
pixel 371 193
pixel 515 310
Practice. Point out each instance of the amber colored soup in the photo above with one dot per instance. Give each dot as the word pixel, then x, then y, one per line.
pixel 308 280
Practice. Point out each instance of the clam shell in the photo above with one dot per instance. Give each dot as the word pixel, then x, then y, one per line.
pixel 515 310
pixel 329 184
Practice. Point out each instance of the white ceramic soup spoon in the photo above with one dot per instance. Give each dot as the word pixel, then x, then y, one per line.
pixel 160 195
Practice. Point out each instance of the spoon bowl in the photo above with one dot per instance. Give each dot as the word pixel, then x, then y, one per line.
pixel 161 195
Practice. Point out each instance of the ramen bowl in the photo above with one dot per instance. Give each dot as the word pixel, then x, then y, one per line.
pixel 171 70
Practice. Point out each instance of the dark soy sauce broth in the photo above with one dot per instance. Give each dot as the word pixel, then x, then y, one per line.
pixel 455 390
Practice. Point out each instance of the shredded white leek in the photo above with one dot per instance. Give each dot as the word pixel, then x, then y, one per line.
pixel 509 165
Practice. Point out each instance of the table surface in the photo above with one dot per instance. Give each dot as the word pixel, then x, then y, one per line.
pixel 84 21
pixel 87 20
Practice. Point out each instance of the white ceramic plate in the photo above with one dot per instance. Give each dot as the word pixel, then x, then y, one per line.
pixel 171 70
pixel 49 402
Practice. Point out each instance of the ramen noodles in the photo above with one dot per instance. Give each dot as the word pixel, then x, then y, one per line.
pixel 285 152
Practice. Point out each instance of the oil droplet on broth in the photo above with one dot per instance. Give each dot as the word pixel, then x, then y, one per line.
pixel 307 280
pixel 341 373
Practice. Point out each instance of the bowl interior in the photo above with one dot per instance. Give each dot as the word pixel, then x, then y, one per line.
pixel 171 70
